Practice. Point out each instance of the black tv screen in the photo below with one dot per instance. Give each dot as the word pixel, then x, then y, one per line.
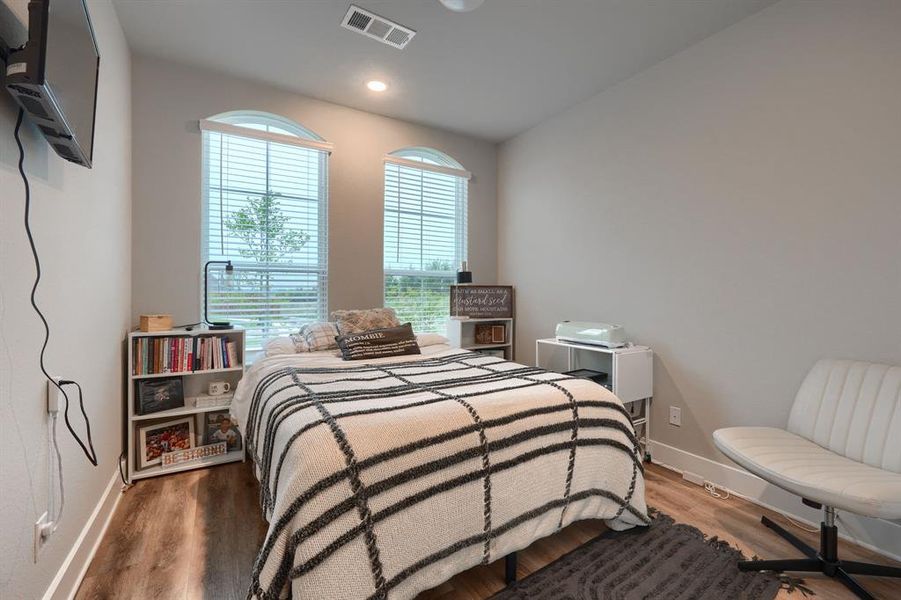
pixel 54 76
pixel 70 67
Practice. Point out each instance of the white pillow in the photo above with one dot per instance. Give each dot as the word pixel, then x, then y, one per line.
pixel 430 339
pixel 278 346
pixel 286 344
pixel 318 336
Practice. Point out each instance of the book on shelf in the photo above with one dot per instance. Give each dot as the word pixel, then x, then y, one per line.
pixel 183 354
pixel 207 401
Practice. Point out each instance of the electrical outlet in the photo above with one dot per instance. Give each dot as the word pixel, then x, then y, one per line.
pixel 41 534
pixel 675 416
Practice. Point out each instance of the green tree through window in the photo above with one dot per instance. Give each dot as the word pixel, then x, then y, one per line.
pixel 265 209
pixel 262 226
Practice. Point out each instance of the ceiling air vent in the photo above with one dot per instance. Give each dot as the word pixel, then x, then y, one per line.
pixel 376 27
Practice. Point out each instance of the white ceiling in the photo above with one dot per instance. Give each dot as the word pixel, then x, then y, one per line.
pixel 491 73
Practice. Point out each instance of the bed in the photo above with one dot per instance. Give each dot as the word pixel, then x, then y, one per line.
pixel 384 478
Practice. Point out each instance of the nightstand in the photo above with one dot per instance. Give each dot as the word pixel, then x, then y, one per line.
pixel 630 375
pixel 462 333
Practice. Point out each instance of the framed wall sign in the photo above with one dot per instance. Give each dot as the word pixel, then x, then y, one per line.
pixel 481 301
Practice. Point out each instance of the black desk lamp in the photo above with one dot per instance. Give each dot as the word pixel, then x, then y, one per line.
pixel 229 269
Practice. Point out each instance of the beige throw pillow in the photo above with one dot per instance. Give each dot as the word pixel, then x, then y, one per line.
pixel 356 321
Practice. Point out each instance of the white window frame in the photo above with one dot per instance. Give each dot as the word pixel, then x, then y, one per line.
pixel 428 159
pixel 231 124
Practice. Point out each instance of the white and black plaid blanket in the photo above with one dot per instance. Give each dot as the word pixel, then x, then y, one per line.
pixel 384 479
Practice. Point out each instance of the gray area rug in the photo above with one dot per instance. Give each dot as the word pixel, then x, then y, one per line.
pixel 666 560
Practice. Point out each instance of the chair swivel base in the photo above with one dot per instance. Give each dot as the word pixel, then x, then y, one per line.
pixel 825 561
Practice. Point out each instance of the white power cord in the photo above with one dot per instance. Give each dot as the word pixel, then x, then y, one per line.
pixel 800 526
pixel 56 515
pixel 711 489
pixel 54 510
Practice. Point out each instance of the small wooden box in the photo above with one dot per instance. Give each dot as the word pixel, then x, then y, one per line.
pixel 156 323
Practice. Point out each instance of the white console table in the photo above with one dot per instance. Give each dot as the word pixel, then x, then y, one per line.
pixel 629 370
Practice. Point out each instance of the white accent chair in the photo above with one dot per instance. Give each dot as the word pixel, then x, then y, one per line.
pixel 840 450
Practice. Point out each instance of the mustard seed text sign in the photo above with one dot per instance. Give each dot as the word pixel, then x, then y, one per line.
pixel 481 301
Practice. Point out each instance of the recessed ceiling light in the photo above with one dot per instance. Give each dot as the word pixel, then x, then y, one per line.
pixel 377 86
pixel 461 5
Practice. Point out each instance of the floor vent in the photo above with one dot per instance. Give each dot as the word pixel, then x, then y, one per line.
pixel 378 28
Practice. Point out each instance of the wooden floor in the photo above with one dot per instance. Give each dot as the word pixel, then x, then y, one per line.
pixel 195 535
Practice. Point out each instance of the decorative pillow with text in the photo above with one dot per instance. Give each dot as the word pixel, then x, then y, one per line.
pixel 379 343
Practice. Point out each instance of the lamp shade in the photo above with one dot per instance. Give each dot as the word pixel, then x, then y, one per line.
pixel 464 275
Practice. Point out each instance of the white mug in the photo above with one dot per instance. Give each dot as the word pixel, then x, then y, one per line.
pixel 217 388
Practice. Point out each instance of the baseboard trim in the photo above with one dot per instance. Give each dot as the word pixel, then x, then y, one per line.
pixel 878 535
pixel 72 571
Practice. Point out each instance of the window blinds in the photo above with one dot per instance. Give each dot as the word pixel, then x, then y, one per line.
pixel 425 241
pixel 265 209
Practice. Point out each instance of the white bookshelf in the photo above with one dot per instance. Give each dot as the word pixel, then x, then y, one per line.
pixel 194 384
pixel 205 372
pixel 461 333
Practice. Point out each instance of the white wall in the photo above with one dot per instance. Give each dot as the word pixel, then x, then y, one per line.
pixel 737 207
pixel 82 224
pixel 169 99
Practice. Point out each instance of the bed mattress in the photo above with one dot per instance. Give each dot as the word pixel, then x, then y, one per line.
pixel 385 478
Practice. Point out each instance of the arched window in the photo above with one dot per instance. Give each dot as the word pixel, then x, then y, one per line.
pixel 267 122
pixel 425 234
pixel 265 203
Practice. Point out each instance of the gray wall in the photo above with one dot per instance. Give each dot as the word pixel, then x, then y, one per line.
pixel 82 224
pixel 168 101
pixel 737 207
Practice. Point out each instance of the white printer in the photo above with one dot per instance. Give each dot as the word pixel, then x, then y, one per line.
pixel 598 334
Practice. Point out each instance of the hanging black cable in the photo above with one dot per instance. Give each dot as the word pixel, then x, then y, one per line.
pixel 121 461
pixel 89 448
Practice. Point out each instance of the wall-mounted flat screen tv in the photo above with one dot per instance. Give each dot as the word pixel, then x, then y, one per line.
pixel 54 76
